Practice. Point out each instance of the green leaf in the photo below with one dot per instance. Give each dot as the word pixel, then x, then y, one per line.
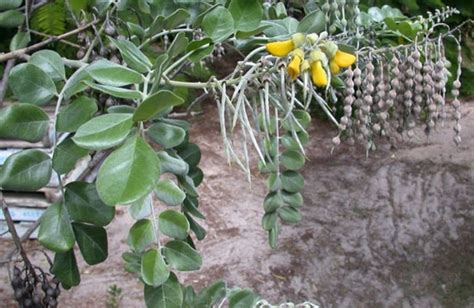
pixel 272 202
pixel 112 74
pixel 72 116
pixel 132 262
pixel 32 85
pixel 405 28
pixel 180 256
pixel 376 14
pixel 190 205
pixel 289 214
pixel 211 295
pixel 193 45
pixel 66 155
pixel 20 40
pixel 129 173
pixel 132 55
pixel 301 121
pixel 292 181
pixel 115 91
pixel 11 19
pixel 175 165
pixel 161 63
pixel 290 142
pixel 218 24
pixel 75 83
pixel 155 103
pixel 191 154
pixel 178 45
pixel 242 299
pixel 23 121
pixel 293 199
pixel 168 192
pixel 9 4
pixel 166 135
pixel 269 221
pixel 196 228
pixel 313 22
pixel 50 62
pixel 280 28
pixel 27 170
pixel 247 14
pixel 141 235
pixel 273 236
pixel 84 205
pixel 136 29
pixel 141 208
pixel 156 26
pixel 55 231
pixel 92 242
pixel 292 160
pixel 121 109
pixel 188 185
pixel 154 269
pixel 104 131
pixel 196 175
pixel 391 24
pixel 174 224
pixel 188 297
pixel 65 269
pixel 176 18
pixel 168 295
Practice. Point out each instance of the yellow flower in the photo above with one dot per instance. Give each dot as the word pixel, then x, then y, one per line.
pixel 281 48
pixel 318 74
pixel 343 59
pixel 334 67
pixel 294 68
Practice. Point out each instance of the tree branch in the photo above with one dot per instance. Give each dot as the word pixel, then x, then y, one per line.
pixel 22 51
pixel 15 237
pixel 4 81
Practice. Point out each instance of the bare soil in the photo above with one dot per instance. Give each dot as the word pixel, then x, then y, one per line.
pixel 395 229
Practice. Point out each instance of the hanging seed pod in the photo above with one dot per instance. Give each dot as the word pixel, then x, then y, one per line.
pixel 456 104
pixel 428 92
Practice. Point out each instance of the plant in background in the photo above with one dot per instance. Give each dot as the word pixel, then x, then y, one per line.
pixel 133 70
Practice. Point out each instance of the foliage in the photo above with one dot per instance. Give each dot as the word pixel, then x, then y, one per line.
pixel 134 69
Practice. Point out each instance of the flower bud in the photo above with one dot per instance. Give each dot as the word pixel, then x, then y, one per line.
pixel 329 49
pixel 298 39
pixel 312 38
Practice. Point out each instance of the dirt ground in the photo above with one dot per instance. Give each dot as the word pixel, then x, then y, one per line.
pixel 395 229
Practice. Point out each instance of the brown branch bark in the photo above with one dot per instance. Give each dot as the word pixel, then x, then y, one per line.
pixel 4 81
pixel 19 52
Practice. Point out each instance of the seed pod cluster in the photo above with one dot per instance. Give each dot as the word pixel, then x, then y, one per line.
pixel 456 103
pixel 386 98
pixel 34 289
pixel 349 98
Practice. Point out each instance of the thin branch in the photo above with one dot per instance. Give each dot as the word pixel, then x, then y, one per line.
pixel 51 36
pixel 19 52
pixel 4 81
pixel 15 237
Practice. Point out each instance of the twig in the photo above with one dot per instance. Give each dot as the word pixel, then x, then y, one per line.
pixel 4 81
pixel 15 237
pixel 50 36
pixel 22 51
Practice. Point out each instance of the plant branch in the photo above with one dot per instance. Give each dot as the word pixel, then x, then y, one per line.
pixel 19 52
pixel 4 81
pixel 15 237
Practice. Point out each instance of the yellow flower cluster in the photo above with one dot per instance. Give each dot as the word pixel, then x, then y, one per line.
pixel 324 55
